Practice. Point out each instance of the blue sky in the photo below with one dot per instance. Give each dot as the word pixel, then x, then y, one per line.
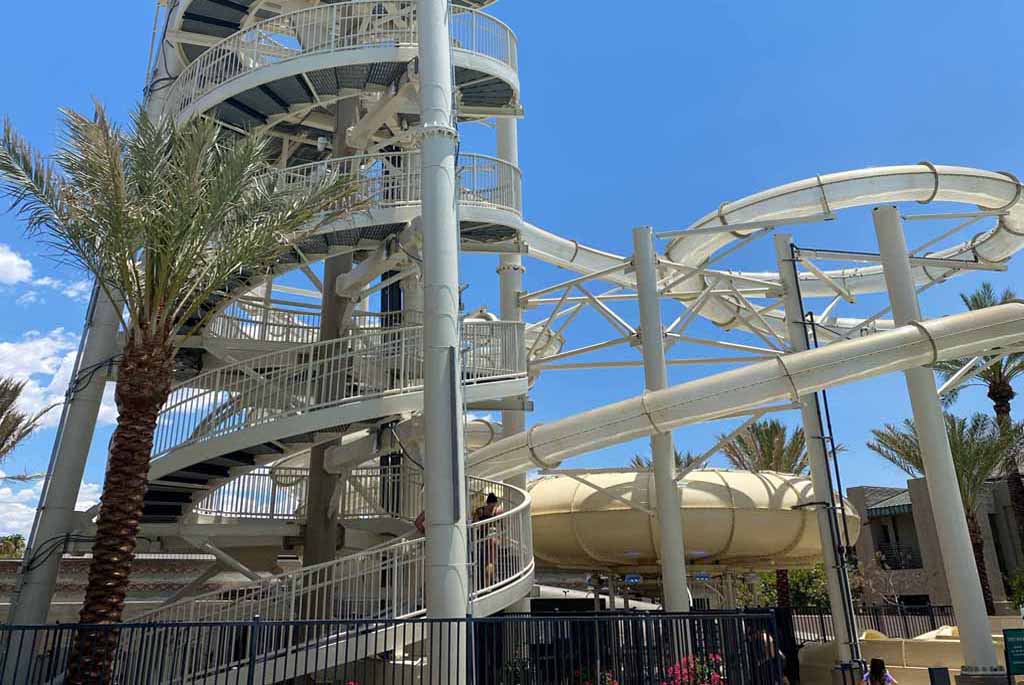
pixel 650 114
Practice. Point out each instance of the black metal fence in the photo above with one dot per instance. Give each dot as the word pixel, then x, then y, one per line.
pixel 812 624
pixel 713 648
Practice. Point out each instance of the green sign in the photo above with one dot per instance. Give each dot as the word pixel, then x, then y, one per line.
pixel 1013 644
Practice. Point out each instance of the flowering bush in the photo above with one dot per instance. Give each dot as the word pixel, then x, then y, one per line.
pixel 600 678
pixel 696 670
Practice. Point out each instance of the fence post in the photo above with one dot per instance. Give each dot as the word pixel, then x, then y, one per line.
pixel 253 634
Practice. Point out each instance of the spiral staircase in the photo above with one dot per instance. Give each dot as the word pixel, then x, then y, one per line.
pixel 258 387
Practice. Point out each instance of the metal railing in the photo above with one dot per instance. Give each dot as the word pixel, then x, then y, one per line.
pixel 302 379
pixel 899 557
pixel 696 648
pixel 812 624
pixel 382 583
pixel 279 494
pixel 394 179
pixel 329 29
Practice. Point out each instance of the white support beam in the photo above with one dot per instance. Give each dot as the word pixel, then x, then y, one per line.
pixel 703 458
pixel 827 280
pixel 965 590
pixel 383 259
pixel 360 133
pixel 872 258
pixel 223 557
pixel 614 319
pixel 525 299
pixel 960 376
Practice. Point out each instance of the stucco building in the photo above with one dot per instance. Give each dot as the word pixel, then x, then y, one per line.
pixel 898 548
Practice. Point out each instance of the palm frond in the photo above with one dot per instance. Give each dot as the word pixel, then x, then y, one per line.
pixel 978 445
pixel 15 425
pixel 164 216
pixel 767 445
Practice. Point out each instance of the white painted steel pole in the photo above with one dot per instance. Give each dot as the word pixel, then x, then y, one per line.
pixel 943 491
pixel 669 506
pixel 55 516
pixel 510 281
pixel 817 460
pixel 445 478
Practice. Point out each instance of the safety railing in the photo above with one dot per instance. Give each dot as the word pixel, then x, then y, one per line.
pixel 394 179
pixel 899 557
pixel 382 583
pixel 279 494
pixel 814 624
pixel 270 492
pixel 695 648
pixel 246 319
pixel 303 379
pixel 331 28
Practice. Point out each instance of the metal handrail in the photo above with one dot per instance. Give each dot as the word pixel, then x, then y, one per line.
pixel 332 28
pixel 386 582
pixel 394 179
pixel 310 377
pixel 278 493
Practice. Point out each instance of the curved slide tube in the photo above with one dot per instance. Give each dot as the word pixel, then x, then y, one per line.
pixel 735 519
pixel 802 199
pixel 743 390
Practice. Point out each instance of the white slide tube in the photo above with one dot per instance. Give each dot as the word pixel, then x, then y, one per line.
pixel 943 488
pixel 751 387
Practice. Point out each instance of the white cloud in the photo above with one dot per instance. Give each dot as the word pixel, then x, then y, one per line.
pixel 79 290
pixel 13 267
pixel 18 504
pixel 45 362
pixel 16 270
pixel 28 298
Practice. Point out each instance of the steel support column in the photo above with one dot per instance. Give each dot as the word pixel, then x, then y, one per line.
pixel 943 491
pixel 510 281
pixel 320 543
pixel 445 478
pixel 817 459
pixel 56 510
pixel 669 506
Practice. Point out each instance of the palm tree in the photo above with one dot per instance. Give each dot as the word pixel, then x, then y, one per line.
pixel 767 445
pixel 978 446
pixel 683 461
pixel 15 425
pixel 163 217
pixel 997 377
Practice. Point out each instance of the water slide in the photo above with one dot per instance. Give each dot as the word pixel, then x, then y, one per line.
pixel 736 520
pixel 813 200
pixel 756 386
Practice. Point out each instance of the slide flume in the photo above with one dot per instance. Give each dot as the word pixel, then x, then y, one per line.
pixel 745 389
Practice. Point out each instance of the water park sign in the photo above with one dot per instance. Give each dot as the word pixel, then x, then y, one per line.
pixel 1013 644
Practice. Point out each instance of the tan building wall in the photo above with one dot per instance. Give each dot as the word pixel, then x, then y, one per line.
pixel 880 583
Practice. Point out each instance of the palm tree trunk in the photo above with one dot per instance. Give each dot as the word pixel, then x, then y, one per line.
pixel 144 383
pixel 782 597
pixel 1001 396
pixel 978 545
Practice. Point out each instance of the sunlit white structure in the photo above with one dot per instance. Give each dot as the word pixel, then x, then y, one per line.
pixel 289 381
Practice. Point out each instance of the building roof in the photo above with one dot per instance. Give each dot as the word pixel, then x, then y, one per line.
pixel 888 501
pixel 873 494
